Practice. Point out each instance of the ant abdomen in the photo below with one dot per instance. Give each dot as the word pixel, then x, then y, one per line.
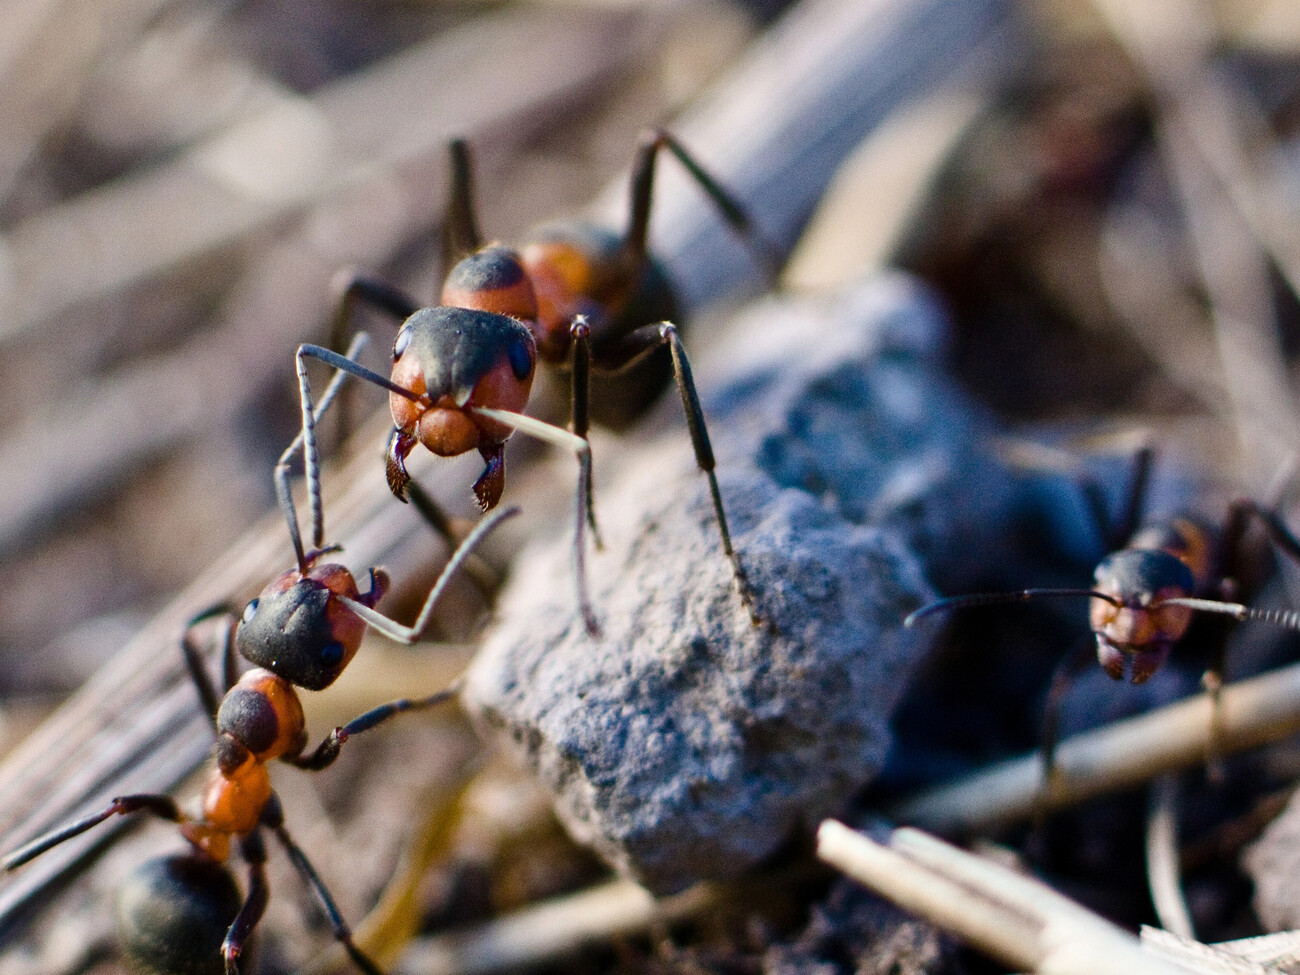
pixel 173 913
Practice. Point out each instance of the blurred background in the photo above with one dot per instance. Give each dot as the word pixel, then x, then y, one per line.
pixel 1107 198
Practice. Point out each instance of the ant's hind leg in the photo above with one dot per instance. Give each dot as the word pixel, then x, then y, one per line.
pixel 274 820
pixel 764 252
pixel 161 806
pixel 460 233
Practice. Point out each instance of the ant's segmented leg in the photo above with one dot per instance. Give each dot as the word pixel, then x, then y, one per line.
pixel 580 406
pixel 253 849
pixel 1065 674
pixel 562 438
pixel 306 440
pixel 1126 525
pixel 460 233
pixel 328 750
pixel 202 680
pixel 639 343
pixel 485 578
pixel 349 288
pixel 764 252
pixel 161 806
pixel 409 634
pixel 274 820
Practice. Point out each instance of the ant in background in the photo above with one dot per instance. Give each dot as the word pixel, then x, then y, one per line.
pixel 183 913
pixel 574 295
pixel 1145 592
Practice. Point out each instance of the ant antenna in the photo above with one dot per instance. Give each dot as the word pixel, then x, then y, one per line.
pixel 1285 618
pixel 997 598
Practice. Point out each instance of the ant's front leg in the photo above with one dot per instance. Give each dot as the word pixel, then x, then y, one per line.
pixel 627 353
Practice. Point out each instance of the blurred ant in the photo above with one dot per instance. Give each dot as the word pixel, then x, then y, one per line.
pixel 1146 591
pixel 183 913
pixel 574 295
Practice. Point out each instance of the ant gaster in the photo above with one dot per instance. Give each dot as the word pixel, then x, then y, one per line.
pixel 182 913
pixel 576 296
pixel 1146 591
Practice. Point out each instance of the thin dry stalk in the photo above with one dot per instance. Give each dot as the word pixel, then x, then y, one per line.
pixel 1017 920
pixel 1115 757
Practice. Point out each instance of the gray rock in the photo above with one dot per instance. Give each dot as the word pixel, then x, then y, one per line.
pixel 684 742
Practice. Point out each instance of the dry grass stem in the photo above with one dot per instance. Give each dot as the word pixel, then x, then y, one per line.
pixel 549 931
pixel 1115 757
pixel 1017 920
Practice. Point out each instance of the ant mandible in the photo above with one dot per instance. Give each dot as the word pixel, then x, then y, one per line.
pixel 182 913
pixel 574 295
pixel 1146 590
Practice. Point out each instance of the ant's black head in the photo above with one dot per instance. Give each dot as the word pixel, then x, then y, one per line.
pixel 298 631
pixel 173 913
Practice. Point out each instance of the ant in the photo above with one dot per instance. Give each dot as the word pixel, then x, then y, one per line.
pixel 182 913
pixel 1146 591
pixel 575 295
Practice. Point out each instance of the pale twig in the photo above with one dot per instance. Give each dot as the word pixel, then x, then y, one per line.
pixel 1019 921
pixel 1164 875
pixel 1115 757
pixel 550 930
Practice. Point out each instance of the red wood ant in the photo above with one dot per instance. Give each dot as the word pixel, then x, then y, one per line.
pixel 182 913
pixel 1146 591
pixel 574 295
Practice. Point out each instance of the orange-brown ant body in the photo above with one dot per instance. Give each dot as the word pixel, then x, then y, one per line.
pixel 182 913
pixel 575 295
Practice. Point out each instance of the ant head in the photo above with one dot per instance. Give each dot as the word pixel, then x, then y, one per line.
pixel 456 359
pixel 1130 614
pixel 173 913
pixel 493 279
pixel 297 629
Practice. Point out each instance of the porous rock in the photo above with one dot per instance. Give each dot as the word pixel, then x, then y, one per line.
pixel 684 742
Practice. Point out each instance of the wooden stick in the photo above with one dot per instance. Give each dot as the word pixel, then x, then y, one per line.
pixel 1115 757
pixel 1017 920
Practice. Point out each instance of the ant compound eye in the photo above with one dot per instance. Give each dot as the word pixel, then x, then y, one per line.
pixel 331 654
pixel 520 361
pixel 403 340
pixel 250 610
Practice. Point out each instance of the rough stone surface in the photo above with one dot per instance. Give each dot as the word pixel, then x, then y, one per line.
pixel 684 742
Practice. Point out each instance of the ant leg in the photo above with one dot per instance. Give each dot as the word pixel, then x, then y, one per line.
pixel 273 817
pixel 562 438
pixel 640 343
pixel 460 233
pixel 409 634
pixel 1240 512
pixel 484 577
pixel 208 695
pixel 306 439
pixel 1065 674
pixel 328 750
pixel 580 406
pixel 161 806
pixel 1131 514
pixel 349 288
pixel 765 253
pixel 253 849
